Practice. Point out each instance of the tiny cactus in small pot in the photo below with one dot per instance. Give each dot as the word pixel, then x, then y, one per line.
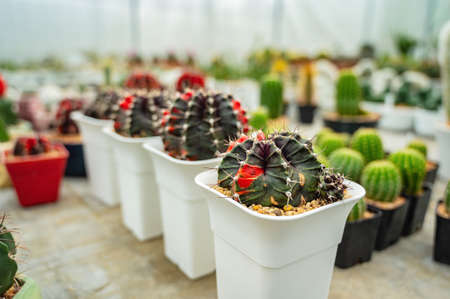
pixel 190 80
pixel 419 146
pixel 432 167
pixel 105 106
pixel 368 142
pixel 271 95
pixel 64 124
pixel 348 162
pixel 307 106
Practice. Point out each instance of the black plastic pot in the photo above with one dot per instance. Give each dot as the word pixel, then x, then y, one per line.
pixel 431 174
pixel 358 241
pixel 442 238
pixel 306 113
pixel 391 225
pixel 417 209
pixel 348 124
pixel 75 164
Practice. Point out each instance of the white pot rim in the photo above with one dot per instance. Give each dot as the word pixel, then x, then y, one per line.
pixel 110 132
pixel 354 190
pixel 162 154
pixel 79 116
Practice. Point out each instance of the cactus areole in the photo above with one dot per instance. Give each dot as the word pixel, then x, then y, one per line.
pixel 278 170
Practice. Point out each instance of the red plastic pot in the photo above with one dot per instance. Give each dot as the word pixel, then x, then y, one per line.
pixel 37 178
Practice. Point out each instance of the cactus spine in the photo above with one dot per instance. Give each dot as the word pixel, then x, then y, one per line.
pixel 412 165
pixel 348 94
pixel 447 197
pixel 276 171
pixel 382 181
pixel 419 146
pixel 357 211
pixel 331 142
pixel 369 144
pixel 444 58
pixel 198 125
pixel 271 95
pixel 347 162
pixel 8 266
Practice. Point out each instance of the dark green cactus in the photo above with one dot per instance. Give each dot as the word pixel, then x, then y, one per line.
pixel 347 162
pixel 271 95
pixel 331 142
pixel 276 171
pixel 447 197
pixel 198 125
pixel 419 146
pixel 4 136
pixel 140 114
pixel 8 266
pixel 357 211
pixel 7 113
pixel 348 94
pixel 412 166
pixel 105 105
pixel 258 119
pixel 382 181
pixel 369 144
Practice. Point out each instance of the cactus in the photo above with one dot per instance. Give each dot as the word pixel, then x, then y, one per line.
pixel 64 123
pixel 368 143
pixel 348 94
pixel 142 81
pixel 8 266
pixel 412 166
pixel 276 171
pixel 347 162
pixel 419 146
pixel 190 80
pixel 271 95
pixel 105 105
pixel 4 136
pixel 199 124
pixel 140 114
pixel 447 197
pixel 7 113
pixel 322 133
pixel 258 119
pixel 382 181
pixel 331 142
pixel 357 211
pixel 307 77
pixel 444 60
pixel 25 146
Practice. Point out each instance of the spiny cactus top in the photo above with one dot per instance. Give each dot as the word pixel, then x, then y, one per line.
pixel 382 181
pixel 276 171
pixel 412 166
pixel 140 114
pixel 271 95
pixel 419 146
pixel 190 80
pixel 8 266
pixel 142 81
pixel 105 105
pixel 25 146
pixel 348 94
pixel 447 197
pixel 347 162
pixel 64 123
pixel 331 142
pixel 199 124
pixel 368 143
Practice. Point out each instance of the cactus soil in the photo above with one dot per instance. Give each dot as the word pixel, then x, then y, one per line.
pixel 418 205
pixel 349 124
pixel 432 171
pixel 441 251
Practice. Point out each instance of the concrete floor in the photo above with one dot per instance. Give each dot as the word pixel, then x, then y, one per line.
pixel 78 248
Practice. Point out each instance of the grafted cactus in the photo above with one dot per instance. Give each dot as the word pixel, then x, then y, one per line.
pixel 382 181
pixel 64 123
pixel 412 166
pixel 348 94
pixel 198 125
pixel 142 81
pixel 419 146
pixel 276 171
pixel 140 114
pixel 444 60
pixel 8 266
pixel 25 146
pixel 357 211
pixel 369 144
pixel 190 80
pixel 347 162
pixel 105 105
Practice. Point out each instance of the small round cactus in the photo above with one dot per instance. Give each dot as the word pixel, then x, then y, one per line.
pixel 347 162
pixel 357 211
pixel 368 143
pixel 322 133
pixel 8 266
pixel 412 166
pixel 447 197
pixel 331 142
pixel 258 119
pixel 348 94
pixel 382 181
pixel 419 146
pixel 271 95
pixel 64 123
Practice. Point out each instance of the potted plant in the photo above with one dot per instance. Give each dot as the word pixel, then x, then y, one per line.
pixel 259 119
pixel 196 129
pixel 411 165
pixel 271 95
pixel 347 162
pixel 138 121
pixel 431 166
pixel 307 105
pixel 330 142
pixel 442 233
pixel 142 80
pixel 443 129
pixel 36 167
pixel 349 116
pixel 383 183
pixel 68 134
pixel 190 80
pixel 368 142
pixel 277 215
pixel 97 149
pixel 12 285
pixel 428 112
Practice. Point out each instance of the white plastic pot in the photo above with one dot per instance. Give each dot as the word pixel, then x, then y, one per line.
pixel 373 107
pixel 443 140
pixel 266 257
pixel 425 121
pixel 99 158
pixel 138 191
pixel 188 239
pixel 397 118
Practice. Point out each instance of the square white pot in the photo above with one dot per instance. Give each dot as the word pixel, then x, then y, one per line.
pixel 425 121
pixel 136 180
pixel 397 118
pixel 188 239
pixel 99 158
pixel 266 257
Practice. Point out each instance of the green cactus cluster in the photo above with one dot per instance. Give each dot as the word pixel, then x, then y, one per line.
pixel 348 94
pixel 330 142
pixel 419 146
pixel 447 197
pixel 8 266
pixel 348 162
pixel 258 119
pixel 277 170
pixel 382 181
pixel 368 142
pixel 357 211
pixel 412 167
pixel 271 95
